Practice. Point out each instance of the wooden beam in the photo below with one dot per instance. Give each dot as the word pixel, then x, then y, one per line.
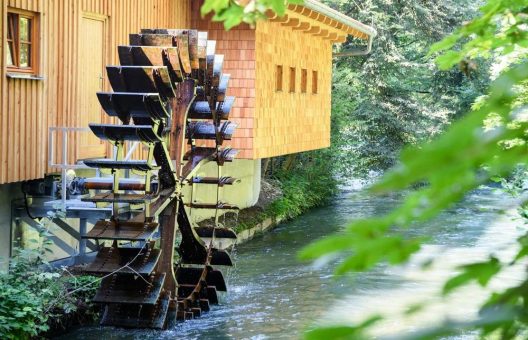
pixel 306 11
pixel 340 39
pixel 323 33
pixel 273 17
pixel 331 36
pixel 338 30
pixel 300 18
pixel 335 24
pixel 292 22
pixel 314 15
pixel 356 33
pixel 314 30
pixel 296 8
pixel 303 26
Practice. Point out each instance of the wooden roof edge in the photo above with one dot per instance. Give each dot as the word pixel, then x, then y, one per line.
pixel 331 17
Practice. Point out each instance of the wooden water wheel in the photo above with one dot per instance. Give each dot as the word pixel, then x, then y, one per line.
pixel 168 92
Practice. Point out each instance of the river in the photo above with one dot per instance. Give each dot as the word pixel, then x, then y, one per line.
pixel 271 295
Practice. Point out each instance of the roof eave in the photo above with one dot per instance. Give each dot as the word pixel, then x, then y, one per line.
pixel 340 17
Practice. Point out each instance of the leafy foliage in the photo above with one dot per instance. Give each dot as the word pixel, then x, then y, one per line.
pixel 341 332
pixel 33 298
pixel 395 96
pixel 310 183
pixel 234 12
pixel 466 156
pixel 481 272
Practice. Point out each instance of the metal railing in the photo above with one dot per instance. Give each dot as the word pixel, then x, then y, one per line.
pixel 64 150
pixel 64 165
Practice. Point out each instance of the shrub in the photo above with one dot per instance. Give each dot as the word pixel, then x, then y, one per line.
pixel 34 296
pixel 309 184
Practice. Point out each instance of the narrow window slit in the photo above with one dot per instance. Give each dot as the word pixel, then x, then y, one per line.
pixel 304 80
pixel 292 79
pixel 278 78
pixel 314 82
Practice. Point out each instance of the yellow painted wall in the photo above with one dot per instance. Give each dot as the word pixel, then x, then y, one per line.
pixel 243 194
pixel 287 122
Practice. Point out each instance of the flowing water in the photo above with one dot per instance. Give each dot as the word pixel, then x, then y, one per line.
pixel 271 295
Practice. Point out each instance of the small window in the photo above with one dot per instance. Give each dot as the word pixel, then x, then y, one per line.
pixel 278 78
pixel 22 41
pixel 292 79
pixel 314 82
pixel 304 80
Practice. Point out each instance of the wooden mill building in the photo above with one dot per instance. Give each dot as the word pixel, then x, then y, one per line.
pixel 54 57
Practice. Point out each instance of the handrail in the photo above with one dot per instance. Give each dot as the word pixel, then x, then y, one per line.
pixel 64 165
pixel 64 150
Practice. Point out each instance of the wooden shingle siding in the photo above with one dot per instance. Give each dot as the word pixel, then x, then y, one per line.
pixel 238 48
pixel 293 122
pixel 275 121
pixel 30 107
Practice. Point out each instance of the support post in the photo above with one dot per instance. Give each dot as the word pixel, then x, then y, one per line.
pixel 184 97
pixel 63 170
pixel 82 241
pixel 167 227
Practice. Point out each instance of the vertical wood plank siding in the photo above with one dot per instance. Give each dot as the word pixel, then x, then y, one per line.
pixel 30 107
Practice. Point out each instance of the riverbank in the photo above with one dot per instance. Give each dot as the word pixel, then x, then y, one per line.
pixel 37 300
pixel 279 201
pixel 252 221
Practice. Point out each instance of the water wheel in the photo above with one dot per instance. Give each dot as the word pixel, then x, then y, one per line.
pixel 168 92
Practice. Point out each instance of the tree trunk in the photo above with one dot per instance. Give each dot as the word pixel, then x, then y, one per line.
pixel 288 163
pixel 265 165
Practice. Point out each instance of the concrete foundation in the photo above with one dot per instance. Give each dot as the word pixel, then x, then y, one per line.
pixel 8 194
pixel 243 194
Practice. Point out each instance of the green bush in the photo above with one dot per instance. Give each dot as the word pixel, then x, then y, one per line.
pixel 311 183
pixel 34 297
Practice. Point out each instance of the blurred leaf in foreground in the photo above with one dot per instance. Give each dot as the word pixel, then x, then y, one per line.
pixel 466 156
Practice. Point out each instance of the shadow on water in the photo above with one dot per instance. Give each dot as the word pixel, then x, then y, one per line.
pixel 273 295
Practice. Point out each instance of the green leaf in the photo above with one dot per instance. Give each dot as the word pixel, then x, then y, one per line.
pixel 213 5
pixel 481 272
pixel 278 6
pixel 445 44
pixel 334 332
pixel 342 332
pixel 327 246
pixel 232 13
pixel 449 59
pixel 231 16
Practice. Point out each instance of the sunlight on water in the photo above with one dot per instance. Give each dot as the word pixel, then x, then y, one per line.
pixel 424 286
pixel 273 296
